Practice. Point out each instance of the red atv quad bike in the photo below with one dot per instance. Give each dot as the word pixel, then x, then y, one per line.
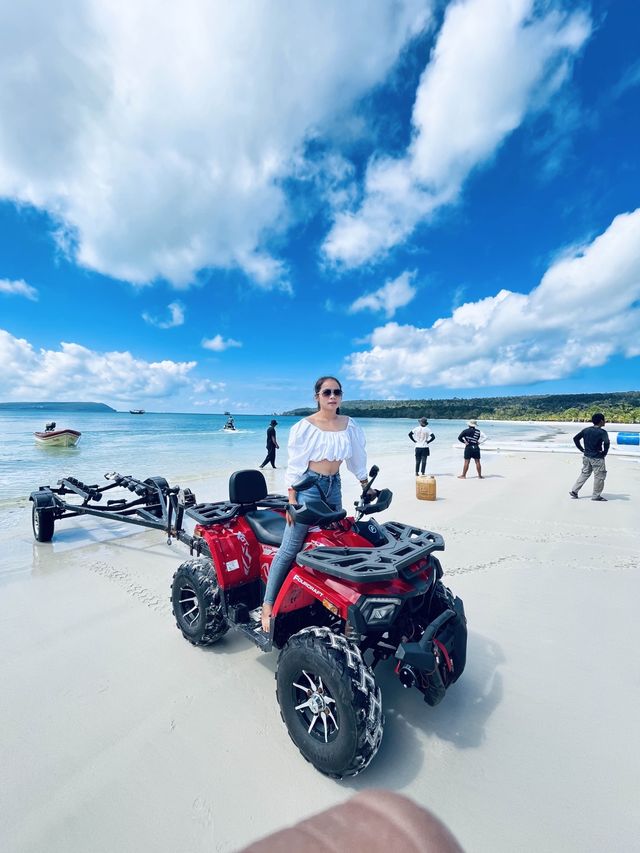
pixel 358 593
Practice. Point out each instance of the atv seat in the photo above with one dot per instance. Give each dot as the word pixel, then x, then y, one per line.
pixel 248 488
pixel 267 525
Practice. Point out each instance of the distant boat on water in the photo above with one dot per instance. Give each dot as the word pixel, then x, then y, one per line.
pixel 52 437
pixel 136 411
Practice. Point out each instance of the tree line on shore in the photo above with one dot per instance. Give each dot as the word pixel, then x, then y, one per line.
pixel 618 407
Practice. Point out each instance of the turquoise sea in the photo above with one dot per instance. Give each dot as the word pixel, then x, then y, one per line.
pixel 187 449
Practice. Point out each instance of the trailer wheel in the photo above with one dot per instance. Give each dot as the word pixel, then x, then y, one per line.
pixel 160 483
pixel 42 521
pixel 196 602
pixel 329 702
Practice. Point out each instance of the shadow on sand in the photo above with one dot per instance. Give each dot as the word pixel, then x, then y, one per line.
pixel 411 724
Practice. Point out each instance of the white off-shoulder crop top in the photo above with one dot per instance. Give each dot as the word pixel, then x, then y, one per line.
pixel 308 443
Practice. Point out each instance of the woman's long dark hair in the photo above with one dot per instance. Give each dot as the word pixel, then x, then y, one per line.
pixel 320 382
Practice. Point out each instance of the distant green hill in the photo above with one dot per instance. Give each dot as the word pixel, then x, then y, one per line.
pixel 59 407
pixel 617 407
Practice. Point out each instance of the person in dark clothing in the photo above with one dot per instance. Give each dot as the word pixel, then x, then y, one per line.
pixel 421 437
pixel 272 445
pixel 594 447
pixel 472 438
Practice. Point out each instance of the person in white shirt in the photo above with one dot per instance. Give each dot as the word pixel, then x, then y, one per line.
pixel 422 438
pixel 318 445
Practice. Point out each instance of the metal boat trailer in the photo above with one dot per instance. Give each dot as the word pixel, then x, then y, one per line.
pixel 156 505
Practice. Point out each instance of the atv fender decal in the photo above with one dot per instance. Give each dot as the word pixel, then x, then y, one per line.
pixel 309 586
pixel 246 553
pixel 232 565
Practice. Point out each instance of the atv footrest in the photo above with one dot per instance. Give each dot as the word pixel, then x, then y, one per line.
pixel 256 635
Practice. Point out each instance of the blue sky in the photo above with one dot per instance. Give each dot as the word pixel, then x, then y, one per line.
pixel 206 207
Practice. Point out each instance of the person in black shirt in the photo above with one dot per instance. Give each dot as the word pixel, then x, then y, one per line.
pixel 272 445
pixel 471 438
pixel 596 446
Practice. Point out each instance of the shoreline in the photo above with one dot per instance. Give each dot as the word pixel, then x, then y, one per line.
pixel 570 425
pixel 558 441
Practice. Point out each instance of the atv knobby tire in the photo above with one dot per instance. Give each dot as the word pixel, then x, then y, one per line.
pixel 347 739
pixel 42 521
pixel 196 602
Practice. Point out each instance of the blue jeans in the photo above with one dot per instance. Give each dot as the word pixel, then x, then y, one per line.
pixel 326 488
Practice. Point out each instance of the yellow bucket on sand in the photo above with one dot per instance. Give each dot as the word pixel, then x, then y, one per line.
pixel 426 488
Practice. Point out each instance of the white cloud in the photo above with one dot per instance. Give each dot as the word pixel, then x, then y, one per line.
pixel 206 386
pixel 75 372
pixel 219 344
pixel 583 311
pixel 494 62
pixel 629 80
pixel 176 311
pixel 18 288
pixel 388 298
pixel 212 401
pixel 159 136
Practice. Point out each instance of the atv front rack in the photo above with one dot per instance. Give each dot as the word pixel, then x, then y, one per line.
pixel 406 546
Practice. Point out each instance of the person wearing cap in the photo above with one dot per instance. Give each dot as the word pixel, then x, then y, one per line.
pixel 421 437
pixel 472 438
pixel 272 445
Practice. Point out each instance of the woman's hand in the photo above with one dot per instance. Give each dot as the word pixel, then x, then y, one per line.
pixel 293 498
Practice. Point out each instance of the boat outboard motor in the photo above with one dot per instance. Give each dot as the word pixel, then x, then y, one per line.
pixel 50 427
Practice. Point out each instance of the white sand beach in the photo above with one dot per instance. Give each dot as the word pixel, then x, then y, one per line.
pixel 117 735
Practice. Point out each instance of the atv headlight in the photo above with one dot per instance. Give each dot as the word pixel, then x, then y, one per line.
pixel 380 611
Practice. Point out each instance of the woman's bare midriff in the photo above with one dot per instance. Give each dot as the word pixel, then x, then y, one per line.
pixel 324 466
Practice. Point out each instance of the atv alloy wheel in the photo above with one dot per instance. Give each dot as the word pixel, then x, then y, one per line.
pixel 42 521
pixel 329 701
pixel 196 602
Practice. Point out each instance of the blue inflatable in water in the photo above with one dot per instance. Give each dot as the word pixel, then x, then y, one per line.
pixel 628 438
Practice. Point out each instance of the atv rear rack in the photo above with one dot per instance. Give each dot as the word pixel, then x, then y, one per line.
pixel 220 512
pixel 406 545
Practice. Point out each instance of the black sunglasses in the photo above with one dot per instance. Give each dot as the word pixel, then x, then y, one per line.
pixel 331 392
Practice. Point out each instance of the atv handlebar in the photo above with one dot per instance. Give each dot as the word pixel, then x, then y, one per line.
pixel 380 502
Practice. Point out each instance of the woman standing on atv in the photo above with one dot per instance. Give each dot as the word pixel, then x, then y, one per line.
pixel 318 445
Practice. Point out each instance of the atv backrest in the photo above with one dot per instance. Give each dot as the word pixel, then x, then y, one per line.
pixel 247 487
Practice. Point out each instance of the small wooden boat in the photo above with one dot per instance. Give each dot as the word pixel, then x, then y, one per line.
pixel 53 437
pixel 136 411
